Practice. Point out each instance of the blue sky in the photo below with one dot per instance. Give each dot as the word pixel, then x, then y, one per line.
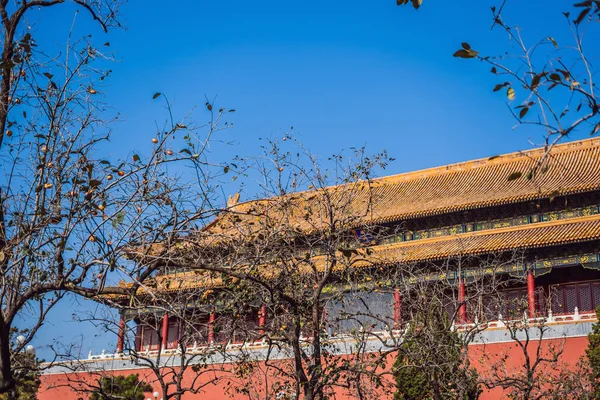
pixel 343 74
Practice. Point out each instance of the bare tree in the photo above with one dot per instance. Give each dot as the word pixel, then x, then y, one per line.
pixel 171 340
pixel 317 268
pixel 19 66
pixel 534 367
pixel 548 84
pixel 264 259
pixel 557 95
pixel 445 308
pixel 18 59
pixel 533 379
pixel 189 362
pixel 68 216
pixel 572 381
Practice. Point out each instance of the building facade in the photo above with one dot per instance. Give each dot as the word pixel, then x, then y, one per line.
pixel 529 221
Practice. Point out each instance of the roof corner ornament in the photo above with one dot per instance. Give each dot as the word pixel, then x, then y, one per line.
pixel 233 200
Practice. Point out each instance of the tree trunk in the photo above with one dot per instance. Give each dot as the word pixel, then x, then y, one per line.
pixel 7 381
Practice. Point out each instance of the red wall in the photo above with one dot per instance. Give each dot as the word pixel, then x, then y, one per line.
pixel 574 349
pixel 60 386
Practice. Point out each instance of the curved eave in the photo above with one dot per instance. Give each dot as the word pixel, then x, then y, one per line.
pixel 538 235
pixel 471 244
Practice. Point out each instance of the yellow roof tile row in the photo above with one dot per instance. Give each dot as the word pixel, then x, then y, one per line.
pixel 572 168
pixel 542 234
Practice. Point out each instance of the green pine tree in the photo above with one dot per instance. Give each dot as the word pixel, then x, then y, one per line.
pixel 431 361
pixel 593 355
pixel 27 378
pixel 120 388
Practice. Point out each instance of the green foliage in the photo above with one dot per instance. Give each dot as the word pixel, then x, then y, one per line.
pixel 120 388
pixel 26 377
pixel 593 355
pixel 411 382
pixel 25 369
pixel 432 361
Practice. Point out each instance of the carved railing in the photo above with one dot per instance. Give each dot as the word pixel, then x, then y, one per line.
pixel 500 323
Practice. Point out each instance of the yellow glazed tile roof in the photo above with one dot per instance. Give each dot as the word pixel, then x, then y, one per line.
pixel 542 234
pixel 573 167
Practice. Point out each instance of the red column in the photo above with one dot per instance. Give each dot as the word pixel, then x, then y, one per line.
pixel 397 308
pixel 262 319
pixel 177 339
pixel 138 338
pixel 462 307
pixel 165 330
pixel 121 335
pixel 531 294
pixel 211 327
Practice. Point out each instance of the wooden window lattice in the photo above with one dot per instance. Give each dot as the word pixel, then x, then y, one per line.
pixel 584 295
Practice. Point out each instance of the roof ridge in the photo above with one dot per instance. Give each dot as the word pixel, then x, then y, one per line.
pixel 426 172
pixel 486 161
pixel 461 186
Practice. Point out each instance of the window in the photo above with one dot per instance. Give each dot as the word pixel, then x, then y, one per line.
pixel 240 329
pixel 357 311
pixel 245 328
pixel 515 304
pixel 200 333
pixel 511 304
pixel 193 331
pixel 151 336
pixel 583 295
pixel 172 334
pixel 149 339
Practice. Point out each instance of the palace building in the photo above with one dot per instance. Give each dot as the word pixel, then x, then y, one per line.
pixel 538 212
